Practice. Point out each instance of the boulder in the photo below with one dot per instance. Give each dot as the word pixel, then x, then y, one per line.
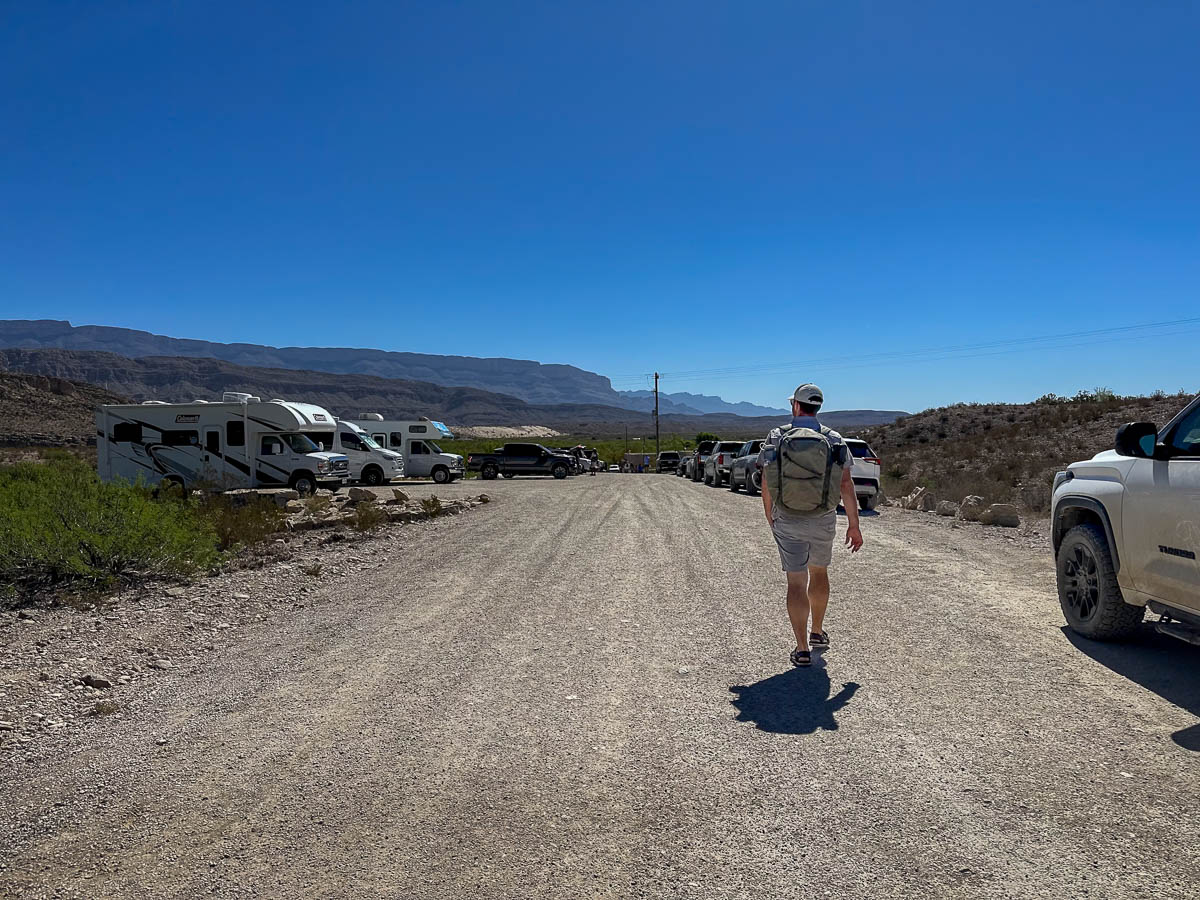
pixel 484 498
pixel 971 508
pixel 913 500
pixel 361 495
pixel 294 506
pixel 284 496
pixel 947 508
pixel 928 503
pixel 401 496
pixel 1003 514
pixel 99 682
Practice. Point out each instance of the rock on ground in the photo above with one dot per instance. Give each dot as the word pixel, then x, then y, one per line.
pixel 1003 514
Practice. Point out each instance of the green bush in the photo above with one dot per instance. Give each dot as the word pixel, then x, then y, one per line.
pixel 59 524
pixel 241 523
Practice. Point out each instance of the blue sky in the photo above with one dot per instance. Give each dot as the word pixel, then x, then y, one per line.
pixel 681 186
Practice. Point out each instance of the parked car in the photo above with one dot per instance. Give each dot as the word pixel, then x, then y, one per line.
pixel 746 471
pixel 720 459
pixel 520 459
pixel 865 473
pixel 668 461
pixel 685 460
pixel 614 468
pixel 699 458
pixel 1126 532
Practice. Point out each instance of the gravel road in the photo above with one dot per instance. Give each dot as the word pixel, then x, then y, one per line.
pixel 581 690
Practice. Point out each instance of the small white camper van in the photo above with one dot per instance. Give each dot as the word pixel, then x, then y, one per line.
pixel 238 442
pixel 369 462
pixel 423 458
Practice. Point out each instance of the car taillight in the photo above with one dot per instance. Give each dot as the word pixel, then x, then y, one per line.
pixel 470 457
pixel 873 459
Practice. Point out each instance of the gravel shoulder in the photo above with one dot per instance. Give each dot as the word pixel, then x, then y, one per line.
pixel 582 688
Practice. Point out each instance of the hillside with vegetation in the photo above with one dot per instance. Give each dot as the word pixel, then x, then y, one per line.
pixel 41 411
pixel 1006 452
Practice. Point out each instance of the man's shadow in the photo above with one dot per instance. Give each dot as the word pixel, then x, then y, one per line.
pixel 792 702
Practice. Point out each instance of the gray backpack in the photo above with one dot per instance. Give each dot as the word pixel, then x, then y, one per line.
pixel 805 476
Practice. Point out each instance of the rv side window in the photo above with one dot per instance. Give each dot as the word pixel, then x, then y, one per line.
pixel 417 429
pixel 272 446
pixel 350 441
pixel 380 439
pixel 235 434
pixel 181 438
pixel 418 447
pixel 396 440
pixel 127 432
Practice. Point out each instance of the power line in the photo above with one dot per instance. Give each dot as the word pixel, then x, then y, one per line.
pixel 933 354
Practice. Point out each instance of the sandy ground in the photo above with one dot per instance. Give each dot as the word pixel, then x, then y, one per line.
pixel 582 690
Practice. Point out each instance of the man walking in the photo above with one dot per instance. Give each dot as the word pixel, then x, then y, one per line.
pixel 806 469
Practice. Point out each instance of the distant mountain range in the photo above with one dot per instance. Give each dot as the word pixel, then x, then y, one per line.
pixel 461 389
pixel 533 382
pixel 175 378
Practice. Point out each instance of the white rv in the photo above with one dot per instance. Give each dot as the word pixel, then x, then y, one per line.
pixel 238 442
pixel 423 458
pixel 369 462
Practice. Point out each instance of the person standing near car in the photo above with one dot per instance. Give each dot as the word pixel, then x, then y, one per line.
pixel 806 470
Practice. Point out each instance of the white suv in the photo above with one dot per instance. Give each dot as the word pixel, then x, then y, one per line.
pixel 865 473
pixel 1126 532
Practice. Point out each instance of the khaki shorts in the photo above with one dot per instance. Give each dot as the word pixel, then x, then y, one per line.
pixel 805 541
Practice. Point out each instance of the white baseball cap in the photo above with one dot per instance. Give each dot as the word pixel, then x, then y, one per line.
pixel 808 394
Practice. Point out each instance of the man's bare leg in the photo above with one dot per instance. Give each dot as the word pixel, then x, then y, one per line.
pixel 818 596
pixel 797 605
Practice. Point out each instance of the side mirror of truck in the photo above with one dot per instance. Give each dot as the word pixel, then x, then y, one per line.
pixel 1137 439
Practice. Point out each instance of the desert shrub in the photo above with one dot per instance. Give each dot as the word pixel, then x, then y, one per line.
pixel 367 517
pixel 60 524
pixel 240 523
pixel 431 505
pixel 312 570
pixel 316 504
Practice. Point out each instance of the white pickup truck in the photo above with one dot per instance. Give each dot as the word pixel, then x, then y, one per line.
pixel 865 473
pixel 1126 532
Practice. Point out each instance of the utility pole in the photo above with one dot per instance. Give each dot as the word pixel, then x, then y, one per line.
pixel 626 438
pixel 657 448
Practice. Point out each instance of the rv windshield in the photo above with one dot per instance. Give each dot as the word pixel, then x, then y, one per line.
pixel 368 440
pixel 299 443
pixel 432 446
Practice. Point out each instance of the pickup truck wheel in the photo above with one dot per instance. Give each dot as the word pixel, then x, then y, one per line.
pixel 489 471
pixel 1087 587
pixel 372 476
pixel 868 503
pixel 559 471
pixel 753 483
pixel 441 475
pixel 733 485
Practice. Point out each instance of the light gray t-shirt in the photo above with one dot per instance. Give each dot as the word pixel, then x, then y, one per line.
pixel 772 441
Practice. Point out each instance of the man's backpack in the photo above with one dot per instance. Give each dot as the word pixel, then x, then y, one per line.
pixel 805 476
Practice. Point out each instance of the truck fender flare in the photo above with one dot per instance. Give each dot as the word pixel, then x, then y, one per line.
pixel 1077 501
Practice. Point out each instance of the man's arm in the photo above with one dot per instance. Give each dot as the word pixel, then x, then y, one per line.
pixel 766 495
pixel 854 538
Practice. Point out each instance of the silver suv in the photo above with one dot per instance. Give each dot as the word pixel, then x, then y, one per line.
pixel 1126 532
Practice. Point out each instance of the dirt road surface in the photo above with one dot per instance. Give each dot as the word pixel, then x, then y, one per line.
pixel 581 690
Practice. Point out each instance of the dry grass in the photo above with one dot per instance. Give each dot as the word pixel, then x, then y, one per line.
pixel 1006 452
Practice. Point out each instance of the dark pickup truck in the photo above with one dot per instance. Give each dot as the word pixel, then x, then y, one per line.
pixel 520 459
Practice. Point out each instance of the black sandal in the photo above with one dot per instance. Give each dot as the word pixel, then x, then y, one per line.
pixel 819 640
pixel 801 658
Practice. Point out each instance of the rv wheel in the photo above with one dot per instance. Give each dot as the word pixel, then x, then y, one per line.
pixel 303 483
pixel 441 475
pixel 372 476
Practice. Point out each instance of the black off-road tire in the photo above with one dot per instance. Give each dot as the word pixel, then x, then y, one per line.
pixel 441 475
pixel 733 485
pixel 868 503
pixel 559 471
pixel 489 471
pixel 1088 592
pixel 372 476
pixel 751 488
